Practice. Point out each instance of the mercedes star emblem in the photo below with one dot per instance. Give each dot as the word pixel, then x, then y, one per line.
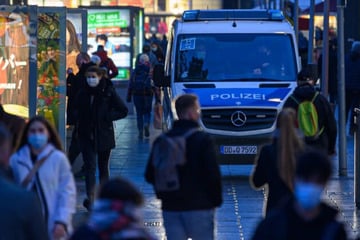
pixel 238 118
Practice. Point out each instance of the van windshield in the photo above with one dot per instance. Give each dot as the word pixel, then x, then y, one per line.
pixel 235 57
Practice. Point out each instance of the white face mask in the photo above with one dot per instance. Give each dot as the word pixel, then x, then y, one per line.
pixel 93 81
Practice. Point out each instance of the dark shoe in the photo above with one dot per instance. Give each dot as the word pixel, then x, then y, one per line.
pixel 146 131
pixel 87 204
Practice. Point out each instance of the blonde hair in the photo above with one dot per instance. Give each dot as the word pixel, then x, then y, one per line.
pixel 289 145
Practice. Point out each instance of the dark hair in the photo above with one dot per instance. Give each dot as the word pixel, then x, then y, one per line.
pixel 102 37
pixel 120 189
pixel 184 102
pixel 74 44
pixel 313 164
pixel 53 135
pixel 95 69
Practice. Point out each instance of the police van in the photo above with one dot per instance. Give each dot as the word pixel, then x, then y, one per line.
pixel 242 64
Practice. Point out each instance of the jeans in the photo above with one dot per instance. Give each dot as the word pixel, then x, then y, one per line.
pixel 197 224
pixel 143 106
pixel 89 156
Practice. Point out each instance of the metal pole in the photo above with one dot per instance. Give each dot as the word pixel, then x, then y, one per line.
pixel 341 90
pixel 311 32
pixel 296 20
pixel 325 51
pixel 356 158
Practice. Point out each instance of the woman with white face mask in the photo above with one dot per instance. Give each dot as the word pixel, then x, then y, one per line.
pixel 96 107
pixel 41 166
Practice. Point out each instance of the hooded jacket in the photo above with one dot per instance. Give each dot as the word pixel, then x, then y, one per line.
pixel 54 183
pixel 326 118
pixel 95 110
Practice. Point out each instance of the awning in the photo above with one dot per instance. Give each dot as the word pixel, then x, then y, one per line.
pixel 319 8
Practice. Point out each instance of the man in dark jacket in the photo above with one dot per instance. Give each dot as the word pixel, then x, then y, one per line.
pixel 21 216
pixel 189 212
pixel 304 216
pixel 305 91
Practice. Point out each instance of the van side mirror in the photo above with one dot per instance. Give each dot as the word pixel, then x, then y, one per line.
pixel 160 80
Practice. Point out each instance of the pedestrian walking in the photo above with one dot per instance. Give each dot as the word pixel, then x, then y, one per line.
pixel 315 117
pixel 116 214
pixel 106 62
pixel 97 106
pixel 352 84
pixel 141 90
pixel 275 165
pixel 74 84
pixel 20 217
pixel 189 211
pixel 305 216
pixel 41 166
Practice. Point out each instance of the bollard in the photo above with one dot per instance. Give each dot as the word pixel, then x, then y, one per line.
pixel 357 157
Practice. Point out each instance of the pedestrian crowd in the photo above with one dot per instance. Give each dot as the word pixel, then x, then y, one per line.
pixel 38 188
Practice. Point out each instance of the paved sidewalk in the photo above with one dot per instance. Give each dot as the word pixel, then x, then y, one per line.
pixel 242 207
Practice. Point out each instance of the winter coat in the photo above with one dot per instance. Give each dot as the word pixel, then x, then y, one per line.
pixel 95 120
pixel 55 185
pixel 200 178
pixel 285 223
pixel 266 171
pixel 74 83
pixel 141 74
pixel 20 217
pixel 326 118
pixel 108 63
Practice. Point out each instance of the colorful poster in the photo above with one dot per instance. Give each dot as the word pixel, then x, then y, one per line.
pixel 73 40
pixel 14 62
pixel 48 66
pixel 111 28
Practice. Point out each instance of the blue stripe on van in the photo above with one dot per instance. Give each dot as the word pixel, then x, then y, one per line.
pixel 250 97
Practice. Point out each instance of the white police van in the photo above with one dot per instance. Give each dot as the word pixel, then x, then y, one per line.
pixel 242 64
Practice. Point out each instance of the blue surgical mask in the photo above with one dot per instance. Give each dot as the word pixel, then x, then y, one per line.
pixel 307 194
pixel 37 140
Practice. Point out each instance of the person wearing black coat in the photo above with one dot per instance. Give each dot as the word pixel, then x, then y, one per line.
pixel 326 119
pixel 352 83
pixel 74 84
pixel 200 179
pixel 97 106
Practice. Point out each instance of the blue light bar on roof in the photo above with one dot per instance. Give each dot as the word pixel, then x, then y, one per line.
pixel 236 14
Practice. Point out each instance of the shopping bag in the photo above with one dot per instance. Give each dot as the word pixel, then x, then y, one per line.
pixel 158 112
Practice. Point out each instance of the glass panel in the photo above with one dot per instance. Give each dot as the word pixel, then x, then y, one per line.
pixel 14 63
pixel 114 24
pixel 231 57
pixel 48 67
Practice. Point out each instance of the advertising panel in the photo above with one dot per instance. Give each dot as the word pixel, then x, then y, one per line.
pixel 76 41
pixel 15 45
pixel 51 66
pixel 111 29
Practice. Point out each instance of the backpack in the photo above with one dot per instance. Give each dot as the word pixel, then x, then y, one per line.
pixel 142 81
pixel 167 154
pixel 307 118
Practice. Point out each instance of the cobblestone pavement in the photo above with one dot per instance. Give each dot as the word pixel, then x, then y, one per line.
pixel 242 207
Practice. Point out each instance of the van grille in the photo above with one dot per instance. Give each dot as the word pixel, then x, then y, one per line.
pixel 256 119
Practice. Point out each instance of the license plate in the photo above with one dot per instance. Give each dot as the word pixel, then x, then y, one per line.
pixel 238 149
